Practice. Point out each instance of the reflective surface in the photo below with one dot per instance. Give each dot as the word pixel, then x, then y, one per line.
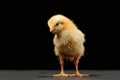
pixel 47 75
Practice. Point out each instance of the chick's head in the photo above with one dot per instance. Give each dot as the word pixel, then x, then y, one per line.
pixel 57 23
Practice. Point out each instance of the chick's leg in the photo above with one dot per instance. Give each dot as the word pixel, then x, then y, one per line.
pixel 77 73
pixel 62 73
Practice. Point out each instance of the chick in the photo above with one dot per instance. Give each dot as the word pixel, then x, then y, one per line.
pixel 68 42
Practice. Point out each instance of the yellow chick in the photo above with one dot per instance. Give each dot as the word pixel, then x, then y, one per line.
pixel 68 42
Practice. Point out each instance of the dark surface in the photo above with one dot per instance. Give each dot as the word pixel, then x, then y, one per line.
pixel 47 75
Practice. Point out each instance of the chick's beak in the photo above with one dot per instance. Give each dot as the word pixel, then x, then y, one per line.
pixel 52 29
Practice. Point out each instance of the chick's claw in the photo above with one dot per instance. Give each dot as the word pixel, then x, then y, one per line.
pixel 60 75
pixel 79 75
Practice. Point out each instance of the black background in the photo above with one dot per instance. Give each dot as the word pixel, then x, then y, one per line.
pixel 26 42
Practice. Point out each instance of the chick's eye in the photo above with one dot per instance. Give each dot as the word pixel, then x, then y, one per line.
pixel 56 24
